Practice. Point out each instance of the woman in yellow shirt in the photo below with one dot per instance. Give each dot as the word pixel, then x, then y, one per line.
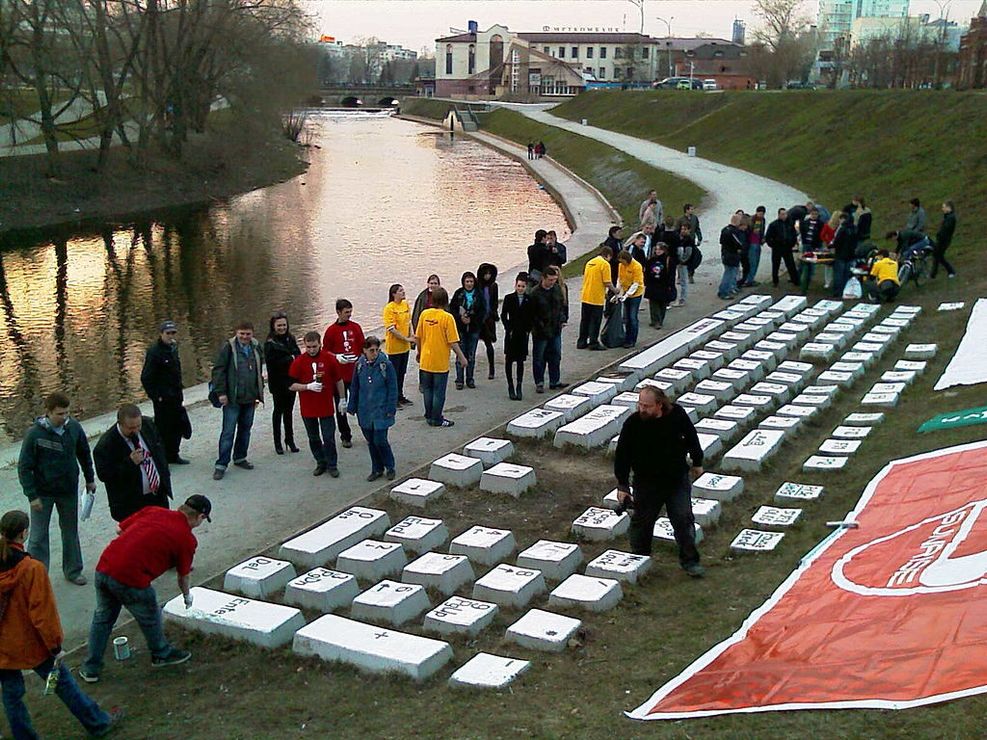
pixel 399 337
pixel 630 276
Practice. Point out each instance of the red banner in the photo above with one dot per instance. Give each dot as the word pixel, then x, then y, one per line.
pixel 890 615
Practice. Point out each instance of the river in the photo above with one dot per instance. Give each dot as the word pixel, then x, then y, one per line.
pixel 384 201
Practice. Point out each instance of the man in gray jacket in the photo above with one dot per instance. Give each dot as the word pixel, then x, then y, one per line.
pixel 48 468
pixel 238 386
pixel 917 219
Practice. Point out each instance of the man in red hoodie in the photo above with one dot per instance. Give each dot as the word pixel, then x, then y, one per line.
pixel 317 379
pixel 344 339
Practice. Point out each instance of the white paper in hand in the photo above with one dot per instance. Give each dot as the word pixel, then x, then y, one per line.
pixel 88 499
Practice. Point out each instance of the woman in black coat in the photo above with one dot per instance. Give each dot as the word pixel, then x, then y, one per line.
pixel 280 349
pixel 487 283
pixel 517 328
pixel 659 283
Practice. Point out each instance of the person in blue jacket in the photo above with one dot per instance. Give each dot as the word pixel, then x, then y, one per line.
pixel 374 400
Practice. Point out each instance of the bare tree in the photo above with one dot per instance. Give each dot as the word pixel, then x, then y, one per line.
pixel 785 38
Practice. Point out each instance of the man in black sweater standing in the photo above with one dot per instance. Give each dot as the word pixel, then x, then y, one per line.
pixel 652 447
pixel 162 381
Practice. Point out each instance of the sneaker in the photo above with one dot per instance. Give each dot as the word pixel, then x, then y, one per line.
pixel 692 278
pixel 116 715
pixel 557 386
pixel 174 657
pixel 951 275
pixel 79 580
pixel 218 474
pixel 347 443
pixel 470 384
pixel 405 402
pixel 88 677
pixel 319 470
pixel 446 423
pixel 459 386
pixel 695 570
pixel 373 476
pixel 390 475
pixel 245 464
pixel 539 388
pixel 490 375
pixel 333 472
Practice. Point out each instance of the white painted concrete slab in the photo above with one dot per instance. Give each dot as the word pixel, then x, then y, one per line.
pixel 842 379
pixel 753 451
pixel 697 369
pixel 815 400
pixel 371 560
pixel 535 423
pixel 627 398
pixel 702 403
pixel 706 511
pixel 767 360
pixel 755 370
pixel 391 602
pixel 541 630
pixel 665 534
pixel 729 350
pixel 259 577
pixel 484 545
pixel 778 349
pixel 856 369
pixel 864 420
pixel 418 534
pixel 555 560
pixel 322 590
pixel 818 352
pixel 439 571
pixel 798 493
pixel 956 306
pixel 715 360
pixel 417 492
pixel 760 403
pixel 486 671
pixel 597 393
pixel 624 381
pixel 773 516
pixel 798 411
pixel 619 565
pixel 824 463
pixel 719 390
pixel 489 451
pixel 322 544
pixel 600 524
pixel 835 447
pixel 850 432
pixel 508 478
pixel 792 380
pixel 594 429
pixel 915 366
pixel 790 425
pixel 881 400
pixel 791 341
pixel 662 385
pixel 459 616
pixel 711 446
pixel 755 541
pixel 594 594
pixel 570 406
pixel 239 618
pixel 805 369
pixel 456 470
pixel 672 347
pixel 790 304
pixel 743 415
pixel 509 585
pixel 737 378
pixel 899 376
pixel 780 392
pixel 725 430
pixel 867 358
pixel 718 487
pixel 680 379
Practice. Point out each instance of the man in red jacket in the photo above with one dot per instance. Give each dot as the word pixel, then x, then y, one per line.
pixel 317 379
pixel 344 339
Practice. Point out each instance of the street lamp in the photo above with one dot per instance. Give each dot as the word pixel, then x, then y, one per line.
pixel 668 43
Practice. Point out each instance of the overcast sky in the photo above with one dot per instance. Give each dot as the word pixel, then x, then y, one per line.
pixel 417 23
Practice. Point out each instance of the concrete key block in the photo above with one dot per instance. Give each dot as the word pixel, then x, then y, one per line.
pixel 819 401
pixel 755 370
pixel 792 380
pixel 873 337
pixel 883 400
pixel 742 340
pixel 778 349
pixel 698 369
pixel 899 376
pixel 259 577
pixel 805 369
pixel 818 351
pixel 508 478
pixel 828 337
pixel 509 586
pixel 624 381
pixel 322 544
pixel 797 492
pixel 662 385
pixel 729 317
pixel 216 613
pixel 489 451
pixel 706 511
pixel 570 406
pixel 908 310
pixel 371 560
pixel 798 411
pixel 821 390
pixel 586 592
pixel 725 430
pixel 767 360
pixel 893 323
pixel 824 463
pixel 486 671
pixel 711 445
pixel 664 533
pixel 831 307
pixel 836 447
pixel 717 487
pixel 456 470
pixel 866 358
pixel 760 403
pixel 790 305
pixel 437 570
pixel 680 379
pixel 595 428
pixel 744 416
pixel 715 360
pixel 555 560
pixel 610 501
pixel 322 589
pixel 391 602
pixel 619 565
pixel 719 390
pixel 791 341
pixel 864 420
pixel 856 369
pixel 760 300
pixel 780 392
pixel 418 534
pixel 417 491
pixel 371 648
pixel 790 425
pixel 545 631
pixel 535 423
pixel 851 432
pixel 755 541
pixel 612 445
pixel 773 516
pixel 869 347
pixel 842 379
pixel 739 379
pixel 729 350
pixel 484 545
pixel 627 398
pixel 597 393
pixel 600 524
pixel 753 451
pixel 910 365
pixel 702 403
pixel 459 616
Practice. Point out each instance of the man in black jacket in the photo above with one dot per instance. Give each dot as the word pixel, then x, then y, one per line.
pixel 549 313
pixel 781 237
pixel 652 447
pixel 731 246
pixel 162 381
pixel 944 237
pixel 131 461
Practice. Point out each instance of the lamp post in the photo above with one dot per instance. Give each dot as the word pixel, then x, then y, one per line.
pixel 668 42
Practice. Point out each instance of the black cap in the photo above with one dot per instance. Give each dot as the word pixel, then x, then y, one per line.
pixel 201 504
pixel 168 325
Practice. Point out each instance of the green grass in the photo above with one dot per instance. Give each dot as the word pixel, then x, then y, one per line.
pixel 426 108
pixel 622 179
pixel 21 102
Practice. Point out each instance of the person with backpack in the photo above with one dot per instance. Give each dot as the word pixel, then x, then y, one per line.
pixel 238 387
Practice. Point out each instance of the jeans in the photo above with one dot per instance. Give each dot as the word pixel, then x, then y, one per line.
pixel 284 411
pixel 590 321
pixel 345 433
pixel 238 418
pixel 322 439
pixel 381 456
pixel 886 290
pixel 547 352
pixel 649 499
pixel 784 253
pixel 168 420
pixel 469 342
pixel 68 523
pixel 433 387
pixel 841 274
pixel 728 284
pixel 87 711
pixel 142 603
pixel 400 363
pixel 682 271
pixel 806 273
pixel 754 258
pixel 632 320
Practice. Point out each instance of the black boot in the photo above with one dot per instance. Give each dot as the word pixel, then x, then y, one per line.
pixel 510 390
pixel 517 392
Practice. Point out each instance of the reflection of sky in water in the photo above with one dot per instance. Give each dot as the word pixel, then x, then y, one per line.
pixel 384 201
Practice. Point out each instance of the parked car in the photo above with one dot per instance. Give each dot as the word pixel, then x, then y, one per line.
pixel 669 83
pixel 709 85
pixel 799 85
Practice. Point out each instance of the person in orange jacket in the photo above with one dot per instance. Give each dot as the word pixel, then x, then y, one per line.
pixel 31 636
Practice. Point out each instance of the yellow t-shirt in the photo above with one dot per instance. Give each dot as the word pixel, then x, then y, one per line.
pixel 436 331
pixel 596 275
pixel 629 274
pixel 885 269
pixel 398 314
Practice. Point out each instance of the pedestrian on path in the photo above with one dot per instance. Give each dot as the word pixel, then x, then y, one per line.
pixel 651 210
pixel 161 378
pixel 782 239
pixel 631 280
pixel 486 283
pixel 238 386
pixel 549 315
pixel 344 338
pixel 731 247
pixel 398 337
pixel 684 254
pixel 615 243
pixel 280 350
pixel 844 246
pixel 944 237
pixel 659 284
pixel 537 256
pixel 469 310
pixel 516 316
pixel 424 299
pixel 373 399
pixel 690 217
pixel 531 150
pixel 53 450
pixel 149 543
pixel 597 286
pixel 756 231
pixel 810 233
pixel 318 380
pixel 437 335
pixel 32 637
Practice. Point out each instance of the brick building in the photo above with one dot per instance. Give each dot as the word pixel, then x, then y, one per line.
pixel 973 53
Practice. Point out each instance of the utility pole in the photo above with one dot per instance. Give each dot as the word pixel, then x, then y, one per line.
pixel 668 40
pixel 640 6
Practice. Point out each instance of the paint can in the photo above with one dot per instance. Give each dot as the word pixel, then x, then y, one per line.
pixel 121 648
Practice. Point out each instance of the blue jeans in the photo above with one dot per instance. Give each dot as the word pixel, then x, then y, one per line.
pixel 238 418
pixel 841 274
pixel 68 523
pixel 142 603
pixel 729 282
pixel 322 439
pixel 754 259
pixel 631 319
pixel 381 456
pixel 87 711
pixel 433 387
pixel 546 352
pixel 468 345
pixel 682 272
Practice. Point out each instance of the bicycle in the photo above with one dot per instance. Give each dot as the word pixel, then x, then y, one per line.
pixel 915 265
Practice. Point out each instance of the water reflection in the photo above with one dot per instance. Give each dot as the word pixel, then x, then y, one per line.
pixel 384 201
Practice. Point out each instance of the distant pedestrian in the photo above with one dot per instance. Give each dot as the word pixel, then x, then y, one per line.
pixel 743 229
pixel 162 381
pixel 844 246
pixel 537 257
pixel 317 378
pixel 52 452
pixel 344 339
pixel 130 460
pixel 468 309
pixel 732 244
pixel 398 336
pixel 758 226
pixel 33 637
pixel 652 204
pixel 531 150
pixel 540 149
pixel 424 300
pixel 238 385
pixel 150 543
pixel 631 280
pixel 437 335
pixel 917 220
pixel 635 246
pixel 374 399
pixel 863 218
pixel 944 237
pixel 782 239
pixel 516 317
pixel 549 315
pixel 810 232
pixel 659 284
pixel 555 251
pixel 690 217
pixel 684 246
pixel 486 283
pixel 280 350
pixel 827 235
pixel 597 287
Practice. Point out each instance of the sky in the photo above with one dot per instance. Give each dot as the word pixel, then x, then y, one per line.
pixel 417 23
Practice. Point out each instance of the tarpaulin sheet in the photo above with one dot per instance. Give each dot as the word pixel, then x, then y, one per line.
pixel 969 364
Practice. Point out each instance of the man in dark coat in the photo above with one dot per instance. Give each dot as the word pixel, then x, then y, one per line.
pixel 782 238
pixel 162 381
pixel 131 461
